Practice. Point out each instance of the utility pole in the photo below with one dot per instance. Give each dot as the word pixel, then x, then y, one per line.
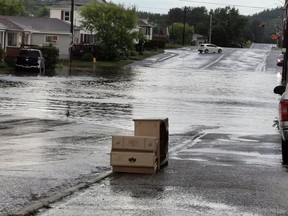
pixel 210 28
pixel 72 18
pixel 184 25
pixel 72 34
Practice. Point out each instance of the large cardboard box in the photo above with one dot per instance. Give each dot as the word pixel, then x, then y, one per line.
pixel 134 154
pixel 142 143
pixel 155 128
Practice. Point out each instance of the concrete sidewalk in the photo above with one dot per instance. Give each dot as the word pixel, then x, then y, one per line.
pixel 184 187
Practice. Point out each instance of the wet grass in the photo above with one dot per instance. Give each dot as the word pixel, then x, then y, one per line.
pixel 119 63
pixel 7 69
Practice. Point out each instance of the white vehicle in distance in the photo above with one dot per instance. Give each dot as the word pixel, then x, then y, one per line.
pixel 209 48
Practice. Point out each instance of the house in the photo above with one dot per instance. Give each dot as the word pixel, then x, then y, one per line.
pixel 62 11
pixel 145 28
pixel 18 31
pixel 198 39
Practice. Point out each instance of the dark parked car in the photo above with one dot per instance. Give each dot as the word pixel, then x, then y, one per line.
pixel 30 59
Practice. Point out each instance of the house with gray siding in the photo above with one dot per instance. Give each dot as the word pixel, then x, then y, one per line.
pixel 16 31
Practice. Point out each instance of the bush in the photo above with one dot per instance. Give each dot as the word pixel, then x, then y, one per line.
pixel 51 55
pixel 1 53
pixel 154 44
pixel 87 57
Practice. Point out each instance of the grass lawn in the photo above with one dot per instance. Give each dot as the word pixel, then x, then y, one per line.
pixel 89 64
pixel 8 68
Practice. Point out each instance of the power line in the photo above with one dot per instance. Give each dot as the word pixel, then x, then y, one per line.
pixel 234 5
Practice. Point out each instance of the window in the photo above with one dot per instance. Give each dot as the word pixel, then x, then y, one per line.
pixel 12 39
pixel 66 15
pixel 51 38
pixel 87 39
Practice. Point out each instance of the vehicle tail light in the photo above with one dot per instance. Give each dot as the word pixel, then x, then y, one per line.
pixel 284 110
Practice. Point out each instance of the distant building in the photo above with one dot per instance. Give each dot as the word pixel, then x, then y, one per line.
pixel 198 39
pixel 145 28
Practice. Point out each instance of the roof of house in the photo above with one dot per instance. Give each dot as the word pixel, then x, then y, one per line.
pixel 144 23
pixel 35 24
pixel 199 37
pixel 67 3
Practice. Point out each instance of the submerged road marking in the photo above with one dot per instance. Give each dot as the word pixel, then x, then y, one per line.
pixel 217 60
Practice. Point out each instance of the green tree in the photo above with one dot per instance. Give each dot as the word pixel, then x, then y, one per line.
pixel 113 26
pixel 176 33
pixel 232 25
pixel 11 7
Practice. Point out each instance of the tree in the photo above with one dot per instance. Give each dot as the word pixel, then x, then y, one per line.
pixel 232 25
pixel 113 27
pixel 176 33
pixel 11 7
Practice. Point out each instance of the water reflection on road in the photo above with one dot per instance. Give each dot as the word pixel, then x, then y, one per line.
pixel 214 97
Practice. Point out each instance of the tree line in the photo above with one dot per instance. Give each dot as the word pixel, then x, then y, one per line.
pixel 227 26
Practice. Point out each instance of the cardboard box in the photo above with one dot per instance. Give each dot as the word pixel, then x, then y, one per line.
pixel 143 143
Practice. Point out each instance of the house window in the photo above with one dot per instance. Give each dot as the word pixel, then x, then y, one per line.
pixel 51 38
pixel 65 15
pixel 87 39
pixel 12 39
pixel 147 31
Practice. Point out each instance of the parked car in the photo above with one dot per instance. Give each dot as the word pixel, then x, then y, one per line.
pixel 30 59
pixel 283 120
pixel 280 60
pixel 209 48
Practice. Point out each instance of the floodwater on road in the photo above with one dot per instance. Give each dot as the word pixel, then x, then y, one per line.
pixel 230 94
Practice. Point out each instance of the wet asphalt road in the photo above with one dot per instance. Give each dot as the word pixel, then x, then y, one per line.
pixel 226 99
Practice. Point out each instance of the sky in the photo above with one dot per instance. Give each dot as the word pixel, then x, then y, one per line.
pixel 246 7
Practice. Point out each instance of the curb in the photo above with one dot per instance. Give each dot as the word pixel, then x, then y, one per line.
pixel 45 202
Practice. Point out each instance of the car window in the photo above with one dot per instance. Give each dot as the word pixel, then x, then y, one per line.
pixel 34 54
pixel 30 53
pixel 23 52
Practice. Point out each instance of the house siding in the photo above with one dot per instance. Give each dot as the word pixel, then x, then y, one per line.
pixel 62 44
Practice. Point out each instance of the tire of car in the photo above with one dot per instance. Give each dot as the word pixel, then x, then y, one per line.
pixel 284 151
pixel 219 51
pixel 206 50
pixel 200 51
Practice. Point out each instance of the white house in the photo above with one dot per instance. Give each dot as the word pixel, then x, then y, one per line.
pixel 198 39
pixel 145 28
pixel 62 11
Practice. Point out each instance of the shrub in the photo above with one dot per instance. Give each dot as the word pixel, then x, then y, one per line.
pixel 1 53
pixel 87 57
pixel 51 55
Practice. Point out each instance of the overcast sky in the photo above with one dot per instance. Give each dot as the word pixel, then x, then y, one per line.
pixel 246 7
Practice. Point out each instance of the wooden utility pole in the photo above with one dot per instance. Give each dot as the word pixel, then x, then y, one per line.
pixel 72 34
pixel 184 25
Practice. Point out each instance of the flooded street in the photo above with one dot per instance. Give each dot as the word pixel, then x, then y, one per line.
pixel 56 131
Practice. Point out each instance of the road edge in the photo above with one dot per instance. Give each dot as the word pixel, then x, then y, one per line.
pixel 45 202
